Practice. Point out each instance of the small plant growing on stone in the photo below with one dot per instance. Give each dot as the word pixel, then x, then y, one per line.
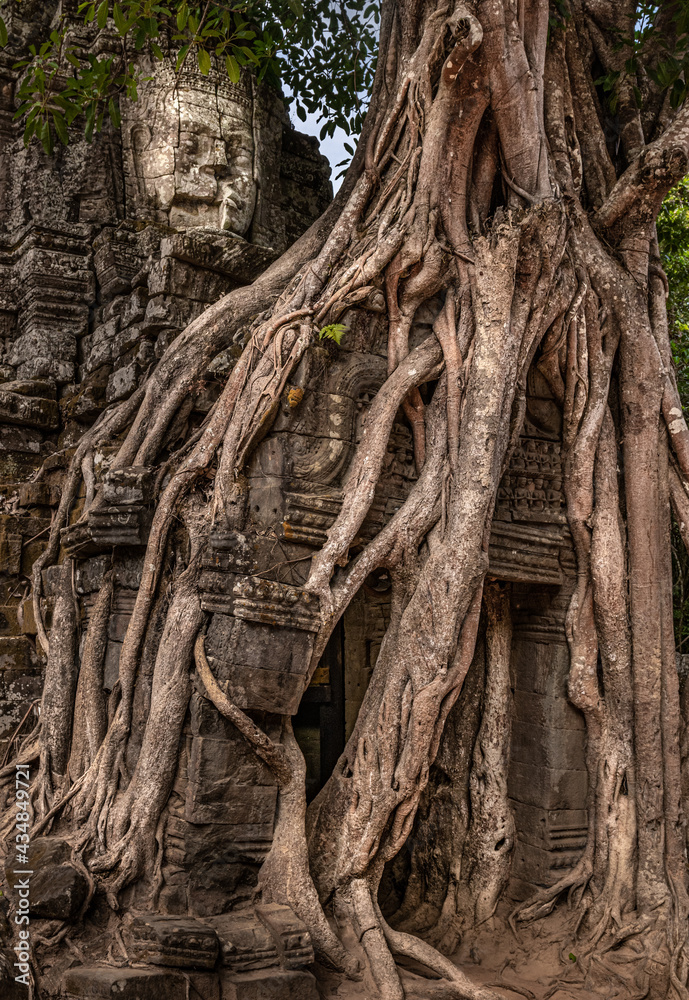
pixel 333 331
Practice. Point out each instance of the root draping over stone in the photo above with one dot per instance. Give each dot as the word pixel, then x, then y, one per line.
pixel 482 189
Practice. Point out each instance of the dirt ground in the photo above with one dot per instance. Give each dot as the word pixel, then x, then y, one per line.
pixel 541 964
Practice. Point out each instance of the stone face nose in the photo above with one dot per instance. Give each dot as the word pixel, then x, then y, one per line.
pixel 219 154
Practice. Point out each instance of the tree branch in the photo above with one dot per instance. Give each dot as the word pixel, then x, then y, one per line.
pixel 637 196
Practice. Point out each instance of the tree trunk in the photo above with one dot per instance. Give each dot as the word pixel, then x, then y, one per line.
pixel 485 194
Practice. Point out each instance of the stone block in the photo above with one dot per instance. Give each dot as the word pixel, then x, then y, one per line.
pixel 21 439
pixel 43 387
pixel 107 983
pixel 39 494
pixel 49 851
pixel 246 944
pixel 9 619
pixel 236 754
pixel 289 933
pixel 57 892
pixel 182 942
pixel 89 401
pixel 111 669
pixel 268 985
pixel 10 552
pixel 546 747
pixel 15 653
pixel 542 710
pixel 546 787
pixel 28 411
pixel 213 797
pixel 170 311
pixel 173 277
pixel 16 466
pixel 122 382
pixel 132 485
pixel 62 371
pixel 550 829
pixel 262 665
pixel 134 306
pixel 542 868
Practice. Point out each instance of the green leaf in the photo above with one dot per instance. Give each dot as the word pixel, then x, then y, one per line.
pixel 29 132
pixel 46 137
pixel 114 113
pixel 3 34
pixel 90 121
pixel 182 15
pixel 102 16
pixel 204 62
pixel 120 20
pixel 333 331
pixel 572 957
pixel 296 7
pixel 60 127
pixel 233 70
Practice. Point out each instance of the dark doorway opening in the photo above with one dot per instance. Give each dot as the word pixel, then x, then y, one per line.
pixel 319 725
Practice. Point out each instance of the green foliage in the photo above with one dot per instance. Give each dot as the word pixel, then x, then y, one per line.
pixel 649 48
pixel 323 52
pixel 673 237
pixel 334 331
pixel 559 16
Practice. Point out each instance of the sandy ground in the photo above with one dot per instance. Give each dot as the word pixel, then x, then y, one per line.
pixel 541 964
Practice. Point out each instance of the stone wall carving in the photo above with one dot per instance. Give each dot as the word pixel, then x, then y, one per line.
pixel 107 251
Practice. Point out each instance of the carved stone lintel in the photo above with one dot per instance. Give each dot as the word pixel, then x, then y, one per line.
pixel 180 942
pixel 245 941
pixel 527 553
pixel 133 485
pixel 254 599
pixel 105 527
pixel 290 934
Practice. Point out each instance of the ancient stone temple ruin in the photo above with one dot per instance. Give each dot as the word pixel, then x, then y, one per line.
pixel 107 252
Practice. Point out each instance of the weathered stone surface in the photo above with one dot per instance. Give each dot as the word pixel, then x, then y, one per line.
pixel 129 486
pixel 268 985
pixel 264 667
pixel 28 411
pixel 245 942
pixel 57 892
pixel 107 983
pixel 290 934
pixel 182 942
pixel 215 795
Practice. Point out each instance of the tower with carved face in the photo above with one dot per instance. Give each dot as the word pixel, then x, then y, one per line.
pixel 192 156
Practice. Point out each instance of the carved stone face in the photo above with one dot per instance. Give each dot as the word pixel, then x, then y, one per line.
pixel 190 152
